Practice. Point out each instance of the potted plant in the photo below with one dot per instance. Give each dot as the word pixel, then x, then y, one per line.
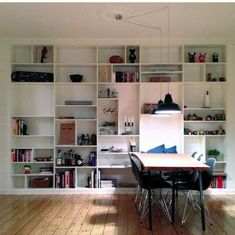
pixel 214 153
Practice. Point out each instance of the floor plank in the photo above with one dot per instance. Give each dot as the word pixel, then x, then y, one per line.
pixel 105 214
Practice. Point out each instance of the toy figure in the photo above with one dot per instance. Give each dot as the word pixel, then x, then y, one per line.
pixel 132 56
pixel 43 54
pixel 215 57
pixel 192 57
pixel 202 57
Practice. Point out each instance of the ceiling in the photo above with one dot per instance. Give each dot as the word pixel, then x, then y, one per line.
pixel 96 20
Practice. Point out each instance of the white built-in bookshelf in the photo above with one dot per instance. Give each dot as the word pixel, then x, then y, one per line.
pixel 111 95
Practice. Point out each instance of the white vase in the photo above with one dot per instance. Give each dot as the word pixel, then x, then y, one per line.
pixel 207 100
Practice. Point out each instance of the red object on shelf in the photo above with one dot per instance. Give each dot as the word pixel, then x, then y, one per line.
pixel 115 59
pixel 219 181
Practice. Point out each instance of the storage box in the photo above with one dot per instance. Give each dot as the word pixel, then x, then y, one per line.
pixel 160 79
pixel 67 133
pixel 149 107
pixel 40 182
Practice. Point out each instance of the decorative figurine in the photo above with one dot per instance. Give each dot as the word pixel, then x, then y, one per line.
pixel 215 57
pixel 202 57
pixel 191 57
pixel 132 56
pixel 209 77
pixel 43 54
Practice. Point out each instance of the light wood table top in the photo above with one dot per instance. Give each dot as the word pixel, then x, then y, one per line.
pixel 170 162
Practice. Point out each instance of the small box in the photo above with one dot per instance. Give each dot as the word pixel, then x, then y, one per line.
pixel 149 107
pixel 160 79
pixel 67 133
pixel 40 182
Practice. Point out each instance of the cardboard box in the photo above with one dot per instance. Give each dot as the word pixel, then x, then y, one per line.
pixel 160 79
pixel 67 133
pixel 40 182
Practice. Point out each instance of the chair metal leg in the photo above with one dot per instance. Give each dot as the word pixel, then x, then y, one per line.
pixel 164 206
pixel 185 216
pixel 195 204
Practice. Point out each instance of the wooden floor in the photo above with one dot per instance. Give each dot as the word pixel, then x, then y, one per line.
pixel 102 214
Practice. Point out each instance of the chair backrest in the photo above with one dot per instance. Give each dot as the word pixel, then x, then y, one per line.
pixel 137 168
pixel 133 168
pixel 207 176
pixel 199 157
pixel 193 154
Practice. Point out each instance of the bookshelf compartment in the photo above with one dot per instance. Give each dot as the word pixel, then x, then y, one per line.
pixel 86 95
pixel 87 153
pixel 43 54
pixel 40 182
pixel 216 72
pixel 208 49
pixel 105 52
pixel 31 100
pixel 41 126
pixel 136 53
pixel 19 182
pixel 87 178
pixel 32 142
pixel 76 112
pixel 163 55
pixel 88 72
pixel 74 54
pixel 21 54
pixel 111 178
pixel 194 95
pixel 194 72
pixel 65 177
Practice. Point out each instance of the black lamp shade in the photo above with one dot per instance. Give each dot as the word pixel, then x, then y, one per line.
pixel 168 107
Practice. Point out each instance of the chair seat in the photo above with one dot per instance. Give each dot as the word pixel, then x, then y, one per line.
pixel 183 176
pixel 156 182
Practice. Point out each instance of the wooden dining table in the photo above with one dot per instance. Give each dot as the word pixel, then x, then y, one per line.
pixel 172 162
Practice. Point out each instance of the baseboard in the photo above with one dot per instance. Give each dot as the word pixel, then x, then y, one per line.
pixel 98 191
pixel 70 191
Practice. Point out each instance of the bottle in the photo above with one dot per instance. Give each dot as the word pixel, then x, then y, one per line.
pixel 207 100
pixel 58 158
pixel 79 160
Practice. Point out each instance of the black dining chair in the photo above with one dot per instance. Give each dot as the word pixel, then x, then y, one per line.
pixel 157 182
pixel 190 186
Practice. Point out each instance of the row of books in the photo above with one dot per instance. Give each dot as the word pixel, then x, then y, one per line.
pixel 94 181
pixel 21 155
pixel 125 76
pixel 65 179
pixel 219 182
pixel 108 183
pixel 19 127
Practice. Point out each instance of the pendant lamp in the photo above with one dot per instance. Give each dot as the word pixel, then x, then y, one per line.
pixel 167 107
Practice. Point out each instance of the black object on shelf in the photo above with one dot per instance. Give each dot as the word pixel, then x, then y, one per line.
pixel 76 77
pixel 25 76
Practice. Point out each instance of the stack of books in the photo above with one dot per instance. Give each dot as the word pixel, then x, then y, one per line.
pixel 108 183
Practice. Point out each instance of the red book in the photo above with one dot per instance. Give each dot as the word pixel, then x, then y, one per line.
pixel 219 182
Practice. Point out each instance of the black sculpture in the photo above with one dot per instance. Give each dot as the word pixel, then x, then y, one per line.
pixel 132 56
pixel 43 54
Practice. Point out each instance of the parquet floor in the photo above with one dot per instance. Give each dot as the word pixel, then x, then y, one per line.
pixel 102 214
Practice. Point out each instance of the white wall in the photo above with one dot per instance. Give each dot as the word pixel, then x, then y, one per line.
pixel 5 168
pixel 230 138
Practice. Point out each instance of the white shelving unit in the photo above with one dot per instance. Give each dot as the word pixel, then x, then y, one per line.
pixel 205 128
pixel 114 112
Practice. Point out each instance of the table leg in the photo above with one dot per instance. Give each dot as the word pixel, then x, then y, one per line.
pixel 149 200
pixel 202 202
pixel 173 199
